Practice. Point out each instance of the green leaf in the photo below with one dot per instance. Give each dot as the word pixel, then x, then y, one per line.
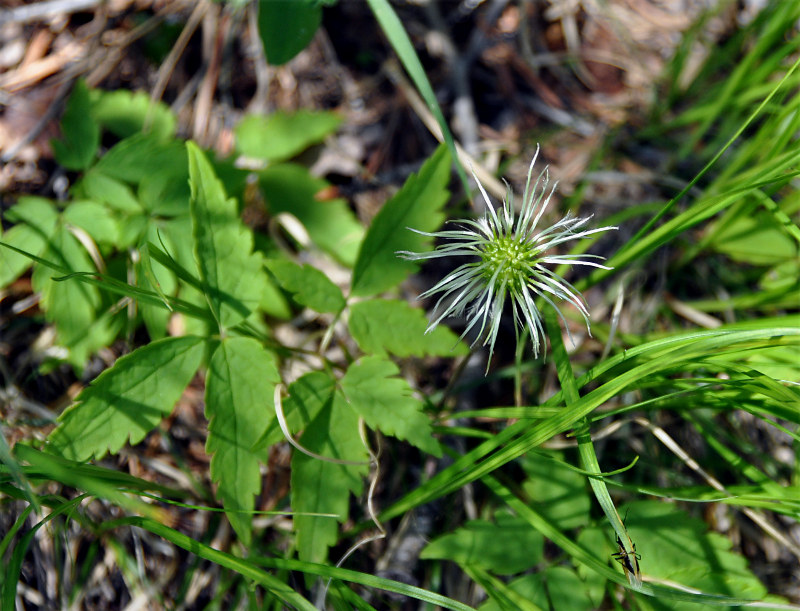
pixel 69 304
pixel 81 134
pixel 240 384
pixel 756 240
pixel 307 396
pixel 223 246
pixel 166 193
pixel 557 588
pixel 105 189
pixel 37 218
pixel 324 487
pixel 416 206
pixel 679 548
pixel 559 492
pixel 94 218
pixel 382 325
pixel 286 27
pixel 331 224
pixel 507 546
pixel 281 135
pixel 152 275
pixel 127 400
pixel 125 113
pixel 386 402
pixel 143 155
pixel 308 286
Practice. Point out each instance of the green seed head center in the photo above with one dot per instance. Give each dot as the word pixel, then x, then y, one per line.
pixel 510 258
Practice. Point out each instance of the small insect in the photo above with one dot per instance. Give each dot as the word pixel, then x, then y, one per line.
pixel 629 562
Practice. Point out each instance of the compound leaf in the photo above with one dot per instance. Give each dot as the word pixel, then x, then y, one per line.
pixel 223 248
pixel 308 286
pixel 559 492
pixel 291 188
pixel 281 135
pixel 386 403
pixel 70 304
pixel 286 27
pixel 383 325
pixel 127 400
pixel 506 546
pixel 239 388
pixel 125 113
pixel 324 487
pixel 81 134
pixel 37 219
pixel 307 396
pixel 417 205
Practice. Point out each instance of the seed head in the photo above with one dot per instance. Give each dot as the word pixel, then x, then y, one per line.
pixel 509 259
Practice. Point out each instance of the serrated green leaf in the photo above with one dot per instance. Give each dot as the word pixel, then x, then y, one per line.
pixel 81 134
pixel 559 492
pixel 37 218
pixel 240 384
pixel 280 136
pixel 128 400
pixel 324 487
pixel 94 218
pixel 418 206
pixel 125 113
pixel 143 155
pixel 331 224
pixel 286 27
pixel 506 546
pixel 557 588
pixel 308 286
pixel 383 325
pixel 69 304
pixel 307 396
pixel 166 193
pixel 105 189
pixel 152 275
pixel 223 246
pixel 386 402
pixel 679 548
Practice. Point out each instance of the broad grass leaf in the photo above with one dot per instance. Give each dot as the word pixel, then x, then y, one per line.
pixel 324 487
pixel 81 134
pixel 240 384
pixel 331 224
pixel 307 285
pixel 223 246
pixel 125 113
pixel 385 401
pixel 128 400
pixel 417 206
pixel 36 219
pixel 286 27
pixel 506 546
pixel 281 135
pixel 388 325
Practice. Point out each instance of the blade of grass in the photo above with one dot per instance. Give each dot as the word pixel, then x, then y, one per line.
pixel 398 38
pixel 585 445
